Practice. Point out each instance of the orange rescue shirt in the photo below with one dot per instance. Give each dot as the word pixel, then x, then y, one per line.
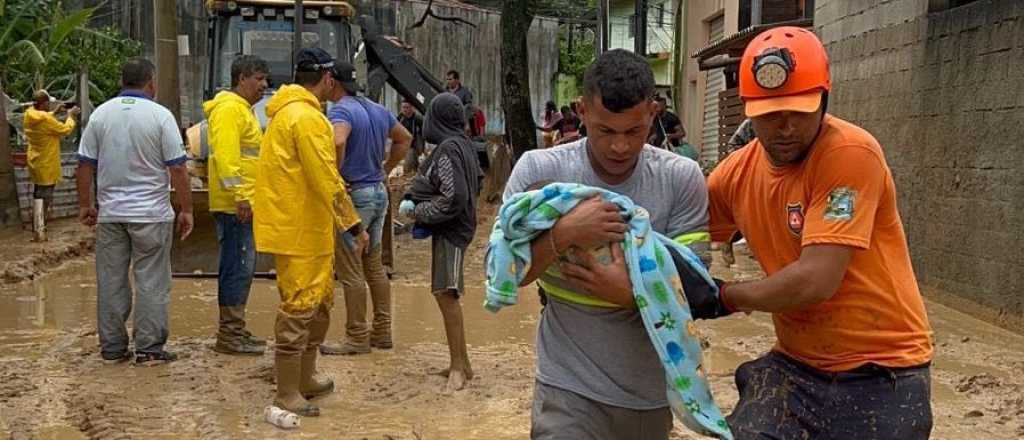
pixel 842 194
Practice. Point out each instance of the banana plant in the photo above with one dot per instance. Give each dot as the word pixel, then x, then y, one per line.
pixel 26 44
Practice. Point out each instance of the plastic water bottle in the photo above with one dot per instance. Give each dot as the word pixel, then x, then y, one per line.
pixel 281 418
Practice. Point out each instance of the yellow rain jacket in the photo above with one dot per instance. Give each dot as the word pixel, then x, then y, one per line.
pixel 43 131
pixel 234 138
pixel 299 197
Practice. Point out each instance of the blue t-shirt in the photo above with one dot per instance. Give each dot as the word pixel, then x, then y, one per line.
pixel 364 152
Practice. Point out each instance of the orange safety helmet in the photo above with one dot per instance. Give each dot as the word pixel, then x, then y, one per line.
pixel 784 69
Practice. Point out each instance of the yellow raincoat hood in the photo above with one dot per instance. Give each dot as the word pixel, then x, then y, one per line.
pixel 300 200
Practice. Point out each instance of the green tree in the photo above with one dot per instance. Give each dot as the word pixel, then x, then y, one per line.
pixel 45 46
pixel 573 60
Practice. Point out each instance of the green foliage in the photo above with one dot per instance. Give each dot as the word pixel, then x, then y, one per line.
pixel 46 45
pixel 573 61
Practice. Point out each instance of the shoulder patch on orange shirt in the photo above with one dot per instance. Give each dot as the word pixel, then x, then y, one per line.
pixel 839 206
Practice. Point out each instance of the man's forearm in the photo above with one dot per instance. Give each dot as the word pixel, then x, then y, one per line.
pixel 786 290
pixel 182 188
pixel 83 178
pixel 542 255
pixel 398 152
pixel 813 279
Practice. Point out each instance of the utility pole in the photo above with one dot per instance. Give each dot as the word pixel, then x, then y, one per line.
pixel 300 17
pixel 602 27
pixel 640 33
pixel 165 29
pixel 8 190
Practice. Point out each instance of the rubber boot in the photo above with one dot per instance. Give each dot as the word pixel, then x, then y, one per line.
pixel 230 336
pixel 244 333
pixel 253 340
pixel 380 296
pixel 39 219
pixel 357 331
pixel 292 333
pixel 309 385
pixel 288 397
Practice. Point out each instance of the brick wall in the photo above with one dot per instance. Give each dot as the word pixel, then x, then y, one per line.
pixel 944 94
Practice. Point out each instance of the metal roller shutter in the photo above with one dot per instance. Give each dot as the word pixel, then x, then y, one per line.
pixel 715 84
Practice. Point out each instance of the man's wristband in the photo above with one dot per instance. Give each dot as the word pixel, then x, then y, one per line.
pixel 724 299
pixel 551 240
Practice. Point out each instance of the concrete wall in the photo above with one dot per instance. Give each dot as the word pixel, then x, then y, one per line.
pixel 440 46
pixel 476 53
pixel 944 94
pixel 698 15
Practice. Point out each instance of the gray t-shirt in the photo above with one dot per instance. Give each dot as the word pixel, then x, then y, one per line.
pixel 601 353
pixel 132 140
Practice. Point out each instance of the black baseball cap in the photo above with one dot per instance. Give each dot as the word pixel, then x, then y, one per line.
pixel 345 73
pixel 313 59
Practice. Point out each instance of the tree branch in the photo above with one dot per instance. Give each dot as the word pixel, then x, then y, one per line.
pixel 430 13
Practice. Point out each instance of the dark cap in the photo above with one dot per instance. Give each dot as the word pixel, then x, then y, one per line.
pixel 313 60
pixel 345 73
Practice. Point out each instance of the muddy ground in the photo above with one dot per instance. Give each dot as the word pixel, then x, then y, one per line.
pixel 54 386
pixel 23 259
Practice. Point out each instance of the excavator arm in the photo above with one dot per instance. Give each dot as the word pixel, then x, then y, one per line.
pixel 390 62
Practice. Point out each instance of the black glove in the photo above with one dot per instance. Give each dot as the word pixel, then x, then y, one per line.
pixel 704 304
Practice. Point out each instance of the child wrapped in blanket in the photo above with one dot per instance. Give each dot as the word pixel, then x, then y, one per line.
pixel 671 285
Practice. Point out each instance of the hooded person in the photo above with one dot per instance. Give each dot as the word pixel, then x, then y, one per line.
pixel 442 198
pixel 300 201
pixel 44 131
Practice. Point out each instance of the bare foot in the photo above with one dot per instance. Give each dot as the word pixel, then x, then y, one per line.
pixel 456 381
pixel 468 371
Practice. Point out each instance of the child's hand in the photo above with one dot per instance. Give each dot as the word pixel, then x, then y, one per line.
pixel 406 208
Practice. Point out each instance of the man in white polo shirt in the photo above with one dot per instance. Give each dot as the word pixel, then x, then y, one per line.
pixel 134 147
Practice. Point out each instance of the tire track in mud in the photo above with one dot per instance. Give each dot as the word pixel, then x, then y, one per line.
pixel 59 250
pixel 184 398
pixel 15 390
pixel 32 383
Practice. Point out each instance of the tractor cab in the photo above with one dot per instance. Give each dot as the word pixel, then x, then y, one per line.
pixel 266 28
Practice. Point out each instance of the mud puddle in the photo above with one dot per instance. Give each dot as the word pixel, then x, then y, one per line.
pixel 49 360
pixel 53 385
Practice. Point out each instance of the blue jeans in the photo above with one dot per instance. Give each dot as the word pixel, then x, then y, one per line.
pixel 237 260
pixel 372 204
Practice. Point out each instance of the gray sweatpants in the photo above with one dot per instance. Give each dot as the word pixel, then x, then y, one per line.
pixel 564 415
pixel 145 250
